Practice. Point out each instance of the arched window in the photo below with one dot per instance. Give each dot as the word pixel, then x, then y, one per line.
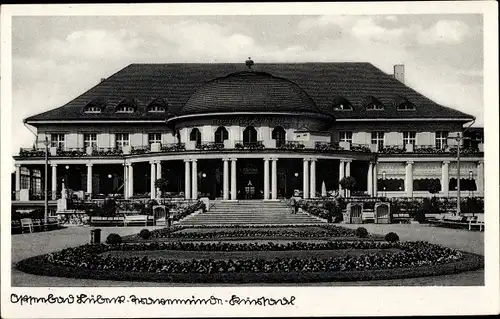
pixel 250 135
pixel 221 135
pixel 195 135
pixel 279 135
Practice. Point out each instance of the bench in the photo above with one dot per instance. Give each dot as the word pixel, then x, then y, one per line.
pixel 478 221
pixel 106 221
pixel 141 219
pixel 26 223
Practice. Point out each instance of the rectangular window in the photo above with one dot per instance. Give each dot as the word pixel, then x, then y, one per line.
pixel 36 183
pixel 409 138
pixel 25 178
pixel 57 140
pixel 90 139
pixel 441 139
pixel 378 138
pixel 345 136
pixel 121 140
pixel 154 138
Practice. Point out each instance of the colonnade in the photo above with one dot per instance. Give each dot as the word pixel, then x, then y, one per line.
pixel 270 178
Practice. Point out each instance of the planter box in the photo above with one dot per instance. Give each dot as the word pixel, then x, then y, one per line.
pixel 53 151
pixel 155 147
pixel 127 150
pixel 89 150
pixel 190 145
pixel 269 143
pixel 228 144
pixel 409 148
pixel 345 145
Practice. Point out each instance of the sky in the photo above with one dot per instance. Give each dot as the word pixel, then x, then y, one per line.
pixel 56 58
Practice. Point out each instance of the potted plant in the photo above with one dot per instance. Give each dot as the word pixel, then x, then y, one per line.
pixel 347 183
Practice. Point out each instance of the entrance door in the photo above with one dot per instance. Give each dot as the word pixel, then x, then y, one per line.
pixel 250 179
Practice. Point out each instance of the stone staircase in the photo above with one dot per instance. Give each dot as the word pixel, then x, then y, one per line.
pixel 250 212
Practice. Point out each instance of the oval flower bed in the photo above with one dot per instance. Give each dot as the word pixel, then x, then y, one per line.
pixel 413 259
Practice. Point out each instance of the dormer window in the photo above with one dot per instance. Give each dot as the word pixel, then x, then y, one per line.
pixel 156 109
pixel 371 103
pixel 95 106
pixel 375 107
pixel 341 104
pixel 342 107
pixel 93 109
pixel 126 106
pixel 403 104
pixel 124 109
pixel 157 106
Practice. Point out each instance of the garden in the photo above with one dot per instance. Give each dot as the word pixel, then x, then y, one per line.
pixel 253 254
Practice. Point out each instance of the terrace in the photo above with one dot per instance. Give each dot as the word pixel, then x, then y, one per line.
pixel 291 146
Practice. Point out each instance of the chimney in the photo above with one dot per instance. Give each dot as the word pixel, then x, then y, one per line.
pixel 103 79
pixel 399 72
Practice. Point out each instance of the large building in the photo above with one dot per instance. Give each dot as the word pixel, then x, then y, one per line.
pixel 245 131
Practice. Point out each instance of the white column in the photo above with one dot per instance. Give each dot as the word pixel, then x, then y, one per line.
pixel 130 191
pixel 375 179
pixel 158 175
pixel 187 179
pixel 274 179
pixel 312 188
pixel 445 178
pixel 348 173
pixel 305 178
pixel 341 174
pixel 89 178
pixel 369 182
pixel 225 176
pixel 125 181
pixel 233 179
pixel 152 179
pixel 54 181
pixel 194 178
pixel 266 178
pixel 480 178
pixel 18 181
pixel 409 179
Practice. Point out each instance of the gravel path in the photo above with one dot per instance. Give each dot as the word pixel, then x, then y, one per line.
pixel 28 245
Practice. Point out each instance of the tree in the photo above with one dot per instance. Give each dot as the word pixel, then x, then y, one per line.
pixel 348 182
pixel 162 184
pixel 434 186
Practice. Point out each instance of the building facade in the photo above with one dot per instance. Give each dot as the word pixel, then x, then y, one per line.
pixel 264 131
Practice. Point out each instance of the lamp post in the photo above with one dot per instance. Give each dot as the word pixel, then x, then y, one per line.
pixel 46 193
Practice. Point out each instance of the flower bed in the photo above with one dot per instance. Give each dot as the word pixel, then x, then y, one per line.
pixel 414 260
pixel 278 232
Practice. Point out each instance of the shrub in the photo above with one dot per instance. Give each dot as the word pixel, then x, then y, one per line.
pixel 361 232
pixel 113 239
pixel 392 237
pixel 145 234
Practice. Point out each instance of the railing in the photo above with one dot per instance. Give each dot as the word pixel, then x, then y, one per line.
pixel 31 152
pixel 257 145
pixel 140 149
pixel 210 146
pixel 291 145
pixel 325 147
pixel 107 151
pixel 392 149
pixel 71 152
pixel 173 147
pixel 360 148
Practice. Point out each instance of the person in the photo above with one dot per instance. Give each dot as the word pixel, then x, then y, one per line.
pixel 292 204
